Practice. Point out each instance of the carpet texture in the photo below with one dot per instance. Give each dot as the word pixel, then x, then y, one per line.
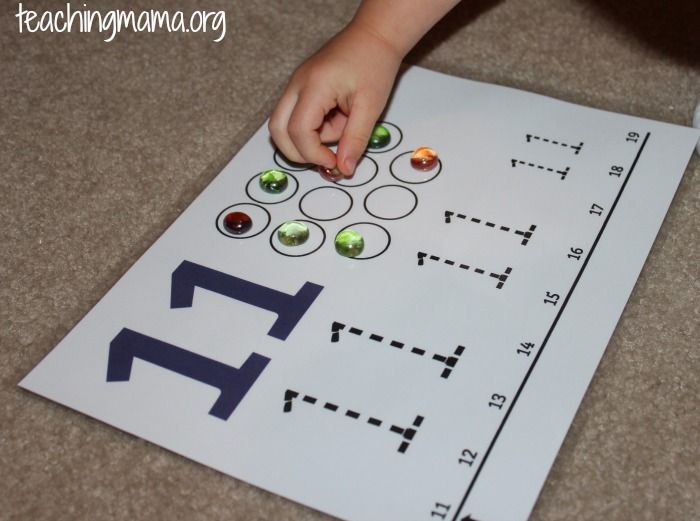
pixel 104 144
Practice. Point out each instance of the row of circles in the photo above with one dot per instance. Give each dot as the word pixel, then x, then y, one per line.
pixel 367 169
pixel 328 203
pixel 377 238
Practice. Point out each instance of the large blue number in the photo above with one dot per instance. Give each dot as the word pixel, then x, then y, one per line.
pixel 289 308
pixel 233 383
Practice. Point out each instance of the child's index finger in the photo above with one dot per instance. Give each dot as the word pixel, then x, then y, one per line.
pixel 304 127
pixel 358 129
pixel 279 123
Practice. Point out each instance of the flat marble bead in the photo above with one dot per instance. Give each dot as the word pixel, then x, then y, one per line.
pixel 380 137
pixel 293 233
pixel 349 243
pixel 238 223
pixel 330 174
pixel 424 158
pixel 273 181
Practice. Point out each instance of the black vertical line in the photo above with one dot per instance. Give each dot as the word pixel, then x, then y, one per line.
pixel 551 330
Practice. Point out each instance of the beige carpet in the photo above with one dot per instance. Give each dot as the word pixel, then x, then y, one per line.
pixel 103 145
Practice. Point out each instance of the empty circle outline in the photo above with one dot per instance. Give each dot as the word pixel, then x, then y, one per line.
pixel 346 179
pixel 415 203
pixel 294 167
pixel 352 202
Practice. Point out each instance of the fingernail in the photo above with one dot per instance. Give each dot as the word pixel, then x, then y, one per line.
pixel 350 165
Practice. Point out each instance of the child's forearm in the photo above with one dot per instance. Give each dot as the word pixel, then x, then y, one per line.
pixel 401 23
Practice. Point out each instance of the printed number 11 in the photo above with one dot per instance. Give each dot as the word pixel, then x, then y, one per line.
pixel 233 383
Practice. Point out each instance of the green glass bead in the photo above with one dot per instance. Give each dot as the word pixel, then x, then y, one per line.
pixel 380 137
pixel 273 181
pixel 293 233
pixel 349 243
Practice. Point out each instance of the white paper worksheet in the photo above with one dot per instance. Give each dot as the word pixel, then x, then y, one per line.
pixel 433 376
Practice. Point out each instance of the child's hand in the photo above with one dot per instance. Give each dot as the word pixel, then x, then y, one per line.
pixel 337 95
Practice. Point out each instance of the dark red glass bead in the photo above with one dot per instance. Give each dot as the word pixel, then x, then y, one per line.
pixel 238 223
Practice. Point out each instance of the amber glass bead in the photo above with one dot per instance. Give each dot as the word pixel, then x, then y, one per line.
pixel 424 158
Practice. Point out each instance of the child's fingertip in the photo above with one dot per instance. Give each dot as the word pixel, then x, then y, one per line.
pixel 349 166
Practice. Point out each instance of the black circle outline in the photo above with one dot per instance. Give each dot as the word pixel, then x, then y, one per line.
pixel 415 205
pixel 269 219
pixel 323 240
pixel 391 170
pixel 376 171
pixel 388 242
pixel 352 202
pixel 247 191
pixel 382 151
pixel 276 158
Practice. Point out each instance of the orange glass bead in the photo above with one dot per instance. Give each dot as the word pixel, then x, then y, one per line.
pixel 424 158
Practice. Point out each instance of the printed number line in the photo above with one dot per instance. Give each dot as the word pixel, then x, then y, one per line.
pixel 549 333
pixel 449 361
pixel 407 433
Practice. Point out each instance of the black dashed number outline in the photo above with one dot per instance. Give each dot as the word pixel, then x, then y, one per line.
pixel 450 362
pixel 526 234
pixel 501 277
pixel 577 148
pixel 407 433
pixel 563 173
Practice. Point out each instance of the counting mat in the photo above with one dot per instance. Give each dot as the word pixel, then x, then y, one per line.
pixel 432 376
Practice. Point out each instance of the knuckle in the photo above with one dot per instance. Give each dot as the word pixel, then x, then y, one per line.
pixel 296 131
pixel 274 127
pixel 357 141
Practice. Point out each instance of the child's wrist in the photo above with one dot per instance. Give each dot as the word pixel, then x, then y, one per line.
pixel 365 33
